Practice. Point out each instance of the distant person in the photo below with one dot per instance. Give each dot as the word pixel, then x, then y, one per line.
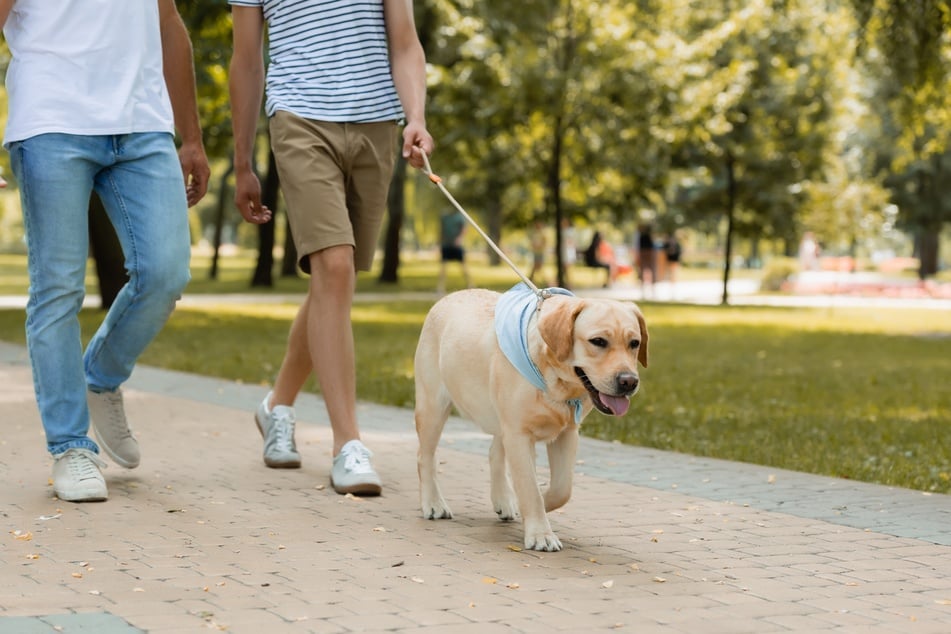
pixel 452 229
pixel 646 257
pixel 600 255
pixel 808 252
pixel 673 250
pixel 539 244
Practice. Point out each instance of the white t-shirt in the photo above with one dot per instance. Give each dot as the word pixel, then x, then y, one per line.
pixel 329 60
pixel 86 67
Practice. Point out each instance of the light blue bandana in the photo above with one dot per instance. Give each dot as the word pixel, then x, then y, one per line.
pixel 512 316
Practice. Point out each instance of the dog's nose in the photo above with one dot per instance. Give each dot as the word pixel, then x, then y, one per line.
pixel 626 382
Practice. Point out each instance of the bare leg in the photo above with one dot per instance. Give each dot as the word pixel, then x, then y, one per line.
pixel 322 338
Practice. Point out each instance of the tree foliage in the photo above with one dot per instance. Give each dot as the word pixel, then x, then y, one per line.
pixel 776 115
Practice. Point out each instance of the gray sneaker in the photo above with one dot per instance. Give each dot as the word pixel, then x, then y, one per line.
pixel 77 476
pixel 107 414
pixel 277 427
pixel 352 471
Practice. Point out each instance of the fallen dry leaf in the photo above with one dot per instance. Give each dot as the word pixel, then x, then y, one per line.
pixel 379 529
pixel 512 585
pixel 32 556
pixel 608 584
pixel 515 548
pixel 489 580
pixel 77 575
pixel 416 580
pixel 21 536
pixel 660 580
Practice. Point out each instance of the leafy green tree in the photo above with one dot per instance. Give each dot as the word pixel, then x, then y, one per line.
pixel 755 113
pixel 547 109
pixel 908 46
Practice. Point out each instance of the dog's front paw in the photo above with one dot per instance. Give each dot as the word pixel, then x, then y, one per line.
pixel 547 542
pixel 506 509
pixel 437 510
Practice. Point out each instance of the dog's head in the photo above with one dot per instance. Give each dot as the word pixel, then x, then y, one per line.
pixel 600 342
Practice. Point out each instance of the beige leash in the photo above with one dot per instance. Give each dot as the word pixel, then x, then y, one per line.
pixel 543 293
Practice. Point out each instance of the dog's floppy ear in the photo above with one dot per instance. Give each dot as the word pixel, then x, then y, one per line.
pixel 556 325
pixel 642 350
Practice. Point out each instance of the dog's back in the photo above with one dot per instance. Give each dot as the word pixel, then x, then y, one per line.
pixel 454 353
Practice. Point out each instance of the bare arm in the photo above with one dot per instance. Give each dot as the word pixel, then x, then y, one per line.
pixel 5 6
pixel 246 87
pixel 408 62
pixel 179 71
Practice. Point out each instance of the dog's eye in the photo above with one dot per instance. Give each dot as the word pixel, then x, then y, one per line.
pixel 599 342
pixel 635 344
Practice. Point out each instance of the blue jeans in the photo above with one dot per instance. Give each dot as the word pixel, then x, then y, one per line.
pixel 139 179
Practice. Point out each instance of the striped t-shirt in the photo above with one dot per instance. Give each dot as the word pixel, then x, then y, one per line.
pixel 328 60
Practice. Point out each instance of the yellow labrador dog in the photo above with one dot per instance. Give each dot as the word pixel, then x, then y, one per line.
pixel 526 371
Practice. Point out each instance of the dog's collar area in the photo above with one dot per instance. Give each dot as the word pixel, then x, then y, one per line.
pixel 513 314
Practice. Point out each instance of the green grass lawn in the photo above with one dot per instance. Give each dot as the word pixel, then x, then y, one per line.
pixel 853 393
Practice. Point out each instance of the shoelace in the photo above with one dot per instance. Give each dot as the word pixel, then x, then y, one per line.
pixel 283 426
pixel 83 465
pixel 115 418
pixel 357 460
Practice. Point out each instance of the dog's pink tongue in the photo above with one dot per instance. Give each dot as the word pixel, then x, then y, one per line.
pixel 617 404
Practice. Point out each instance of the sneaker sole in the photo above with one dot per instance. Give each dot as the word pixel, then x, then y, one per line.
pixel 116 458
pixel 365 489
pixel 276 464
pixel 91 497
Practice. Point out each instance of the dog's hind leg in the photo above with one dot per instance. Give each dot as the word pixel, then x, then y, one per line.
pixel 561 459
pixel 432 410
pixel 502 495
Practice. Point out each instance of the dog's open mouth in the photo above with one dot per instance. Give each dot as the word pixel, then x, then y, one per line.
pixel 604 403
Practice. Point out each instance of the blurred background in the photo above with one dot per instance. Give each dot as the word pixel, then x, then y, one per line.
pixel 743 125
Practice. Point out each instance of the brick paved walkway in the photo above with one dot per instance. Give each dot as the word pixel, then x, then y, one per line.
pixel 202 536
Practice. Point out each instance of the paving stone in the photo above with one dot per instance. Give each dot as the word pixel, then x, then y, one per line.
pixel 203 536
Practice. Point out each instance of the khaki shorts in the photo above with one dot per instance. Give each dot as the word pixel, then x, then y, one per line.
pixel 335 178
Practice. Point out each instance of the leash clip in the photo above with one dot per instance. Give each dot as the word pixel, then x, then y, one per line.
pixel 542 294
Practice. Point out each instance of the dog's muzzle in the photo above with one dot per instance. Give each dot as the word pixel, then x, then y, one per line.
pixel 625 385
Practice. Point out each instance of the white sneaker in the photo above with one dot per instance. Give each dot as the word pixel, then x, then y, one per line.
pixel 352 471
pixel 277 427
pixel 107 414
pixel 77 476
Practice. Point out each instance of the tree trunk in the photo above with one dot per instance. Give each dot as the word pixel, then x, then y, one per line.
pixel 927 252
pixel 263 271
pixel 730 213
pixel 396 211
pixel 106 253
pixel 555 207
pixel 289 263
pixel 220 221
